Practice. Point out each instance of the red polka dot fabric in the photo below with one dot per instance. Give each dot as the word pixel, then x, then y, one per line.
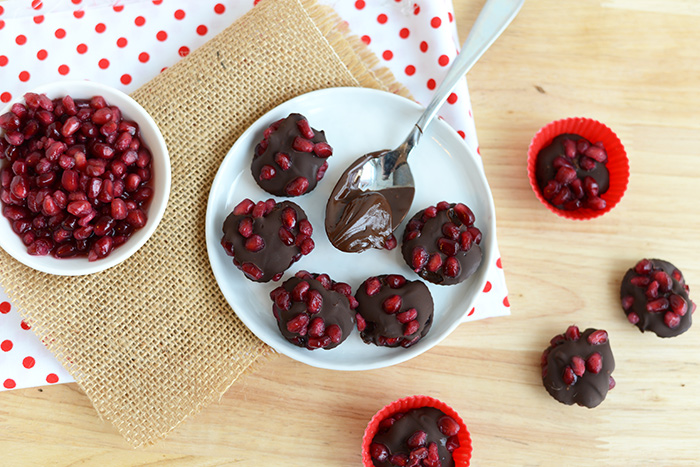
pixel 125 43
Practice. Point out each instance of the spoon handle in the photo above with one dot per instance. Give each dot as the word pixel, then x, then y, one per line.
pixel 493 19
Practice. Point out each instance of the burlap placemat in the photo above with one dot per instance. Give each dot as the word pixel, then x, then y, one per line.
pixel 152 341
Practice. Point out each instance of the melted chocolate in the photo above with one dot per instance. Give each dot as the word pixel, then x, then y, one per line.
pixel 357 220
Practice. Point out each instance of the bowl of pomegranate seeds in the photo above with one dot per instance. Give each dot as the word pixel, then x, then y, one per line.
pixel 84 177
pixel 416 430
pixel 578 168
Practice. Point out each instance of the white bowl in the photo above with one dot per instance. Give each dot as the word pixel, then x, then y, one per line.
pixel 153 139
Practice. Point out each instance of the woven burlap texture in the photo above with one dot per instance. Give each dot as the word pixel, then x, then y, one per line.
pixel 152 341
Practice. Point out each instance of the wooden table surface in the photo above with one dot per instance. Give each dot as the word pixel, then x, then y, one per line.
pixel 632 64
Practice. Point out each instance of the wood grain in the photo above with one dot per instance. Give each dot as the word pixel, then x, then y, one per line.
pixel 632 64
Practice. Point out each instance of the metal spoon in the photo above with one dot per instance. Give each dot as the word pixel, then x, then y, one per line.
pixel 390 168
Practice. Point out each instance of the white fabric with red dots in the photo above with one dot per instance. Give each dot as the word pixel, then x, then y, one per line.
pixel 125 43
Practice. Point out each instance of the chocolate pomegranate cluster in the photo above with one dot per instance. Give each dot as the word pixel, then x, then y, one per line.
pixel 441 243
pixel 425 436
pixel 654 297
pixel 572 174
pixel 266 238
pixel 77 179
pixel 291 158
pixel 393 311
pixel 577 367
pixel 314 311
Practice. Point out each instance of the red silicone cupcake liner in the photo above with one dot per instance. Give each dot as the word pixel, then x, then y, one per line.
pixel 593 131
pixel 461 455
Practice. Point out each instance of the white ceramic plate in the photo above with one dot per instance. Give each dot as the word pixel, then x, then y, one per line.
pixel 356 121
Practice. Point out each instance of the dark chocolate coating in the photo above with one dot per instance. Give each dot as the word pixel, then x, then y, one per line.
pixel 381 326
pixel 276 257
pixel 588 390
pixel 430 233
pixel 424 419
pixel 655 321
pixel 334 310
pixel 545 171
pixel 303 164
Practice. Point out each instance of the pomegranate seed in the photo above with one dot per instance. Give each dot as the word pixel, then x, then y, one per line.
pixel 596 153
pixel 245 227
pixel 569 148
pixel 627 302
pixel 411 328
pixel 255 243
pixel 551 189
pixel 317 327
pixel 560 162
pixel 395 281
pixel 283 161
pixel 633 317
pixel 299 322
pixel 611 382
pixel 390 242
pixel 596 203
pixel 372 286
pixel 321 171
pixel 251 271
pixel 419 258
pixel 361 323
pixel 677 275
pixel 414 224
pixel 450 230
pixel 452 267
pixel 297 187
pixel 658 305
pixel 318 342
pixel 671 319
pixel 343 288
pixel 307 246
pixel 433 455
pixel 407 316
pixel 643 267
pixel 417 439
pixel 594 363
pixel 678 304
pixel 300 291
pixel 103 247
pixel 325 281
pixel 314 301
pixel 378 452
pixel 102 116
pixel 83 233
pixel 449 247
pixel 335 333
pixel 573 333
pixel 323 149
pixel 289 217
pixel 400 459
pixel 664 280
pixel 9 121
pixel 465 241
pixel 448 426
pixel 566 175
pixel 136 218
pixel 259 209
pixel 576 187
pixel 452 443
pixel 640 281
pixel 305 128
pixel 78 208
pixel 267 172
pixel 586 163
pixel 653 290
pixel 598 337
pixel 302 145
pixel 305 227
pixel 569 377
pixel 429 213
pixel 70 126
pixel 19 187
pixel 286 236
pixel 244 207
pixel 434 262
pixel 104 226
pixel 392 304
pixel 41 247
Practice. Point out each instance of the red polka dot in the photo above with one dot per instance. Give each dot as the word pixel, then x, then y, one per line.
pixel 139 21
pixel 416 9
pixel 360 4
pixel 435 22
pixel 506 302
pixel 24 326
pixel 487 287
pixel 60 33
pixel 423 46
pixel 9 383
pixel 143 57
pixel 76 2
pixel 219 8
pixel 452 98
pixel 499 264
pixel 461 133
pixel 163 69
pixel 125 79
pixel 79 13
pixel 39 19
pixel 381 19
pixel 104 63
pixel 179 14
pixel 443 60
pixel 471 312
pixel 37 4
pixel 183 51
pixel 21 39
pixel 2 24
pixel 63 70
pixel 82 48
pixel 431 84
pixel 449 16
pixel 100 28
pixel 202 30
pixel 121 42
pixel 2 10
pixel 366 39
pixel 6 345
pixel 3 62
pixel 404 33
pixel 387 55
pixel 118 8
pixel 157 2
pixel 410 70
pixel 5 97
pixel 52 378
pixel 24 76
pixel 28 362
pixel 161 35
pixel 478 150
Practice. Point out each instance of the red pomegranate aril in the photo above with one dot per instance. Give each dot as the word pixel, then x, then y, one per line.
pixel 640 281
pixel 267 172
pixel 378 452
pixel 317 328
pixel 106 194
pixel 658 305
pixel 93 188
pixel 49 206
pixel 132 182
pixel 250 270
pixel 578 365
pixel 9 121
pixel 594 363
pixel 407 316
pixel 551 189
pixel 390 242
pixel 314 301
pixel 448 426
pixel 671 319
pixel 78 208
pixel 586 163
pixel 123 141
pixel 561 161
pixel 118 209
pixel 289 217
pixel 573 333
pixel 323 149
pixel 108 129
pixel 255 243
pixel 297 187
pixel 664 280
pixel 434 262
pixel 40 247
pixel 19 187
pixel 627 302
pixel 244 207
pixel 66 250
pixel 307 246
pixel 569 148
pixel 245 227
pixel 562 196
pixel 300 291
pixel 104 226
pixel 392 304
pixel 452 267
pixel 70 126
pixel 411 328
pixel 305 128
pixel 566 175
pixel 45 117
pixel 325 281
pixel 450 230
pixel 103 247
pixel 395 281
pixel 596 203
pixel 678 304
pixel 596 153
pixel 569 377
pixel 258 210
pixel 286 236
pixel 633 317
pixel 643 267
pixel 136 218
pixel 282 300
pixel 372 286
pixel 417 439
pixel 102 116
pixel 54 150
pixel 652 290
pixel 419 258
pixel 449 247
pixel 82 233
pixel 302 145
pixel 283 161
pixel 598 337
